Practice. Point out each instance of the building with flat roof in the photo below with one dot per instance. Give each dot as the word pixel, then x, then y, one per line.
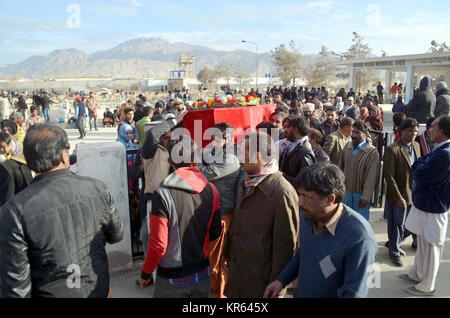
pixel 415 66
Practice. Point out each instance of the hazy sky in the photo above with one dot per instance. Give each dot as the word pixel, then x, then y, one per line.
pixel 398 27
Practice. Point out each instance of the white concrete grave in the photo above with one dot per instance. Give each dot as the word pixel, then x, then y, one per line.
pixel 107 163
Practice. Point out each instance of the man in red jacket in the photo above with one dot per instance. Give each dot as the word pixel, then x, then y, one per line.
pixel 184 222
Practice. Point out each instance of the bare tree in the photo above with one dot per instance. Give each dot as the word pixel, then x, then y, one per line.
pixel 320 71
pixel 287 63
pixel 240 75
pixel 224 70
pixel 206 76
pixel 436 47
pixel 359 50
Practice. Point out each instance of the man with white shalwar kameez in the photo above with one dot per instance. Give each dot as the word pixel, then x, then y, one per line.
pixel 428 217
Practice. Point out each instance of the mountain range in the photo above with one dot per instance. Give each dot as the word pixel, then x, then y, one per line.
pixel 137 58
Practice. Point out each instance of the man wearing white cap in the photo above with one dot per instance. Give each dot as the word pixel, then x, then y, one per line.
pixel 308 111
pixel 352 110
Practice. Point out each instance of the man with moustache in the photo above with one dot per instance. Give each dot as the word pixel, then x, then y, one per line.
pixel 360 163
pixel 337 245
pixel 335 142
pixel 331 123
pixel 397 161
pixel 298 154
pixel 264 229
pixel 428 217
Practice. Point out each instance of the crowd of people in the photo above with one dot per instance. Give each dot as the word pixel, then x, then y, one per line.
pixel 295 208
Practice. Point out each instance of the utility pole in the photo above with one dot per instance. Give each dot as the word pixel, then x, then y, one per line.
pixel 256 72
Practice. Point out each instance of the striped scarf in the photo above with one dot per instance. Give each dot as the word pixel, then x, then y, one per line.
pixel 252 181
pixel 425 145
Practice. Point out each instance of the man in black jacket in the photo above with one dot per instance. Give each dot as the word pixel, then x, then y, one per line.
pixel 298 154
pixel 442 100
pixel 53 233
pixel 15 176
pixel 45 102
pixel 421 107
pixel 22 105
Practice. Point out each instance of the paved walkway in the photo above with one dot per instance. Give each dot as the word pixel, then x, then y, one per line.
pixel 391 286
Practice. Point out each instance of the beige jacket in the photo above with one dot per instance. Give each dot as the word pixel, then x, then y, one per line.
pixel 156 169
pixel 361 171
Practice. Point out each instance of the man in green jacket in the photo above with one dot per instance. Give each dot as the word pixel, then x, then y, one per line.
pixel 148 114
pixel 335 142
pixel 397 162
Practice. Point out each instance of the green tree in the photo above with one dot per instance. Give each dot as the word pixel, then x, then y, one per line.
pixel 206 76
pixel 287 63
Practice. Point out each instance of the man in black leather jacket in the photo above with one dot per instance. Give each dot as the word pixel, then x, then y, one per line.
pixel 53 233
pixel 298 154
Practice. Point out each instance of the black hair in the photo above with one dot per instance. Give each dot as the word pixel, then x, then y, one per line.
pixel 146 111
pixel 361 126
pixel 398 118
pixel 5 137
pixel 444 124
pixel 33 108
pixel 225 128
pixel 128 109
pixel 10 124
pixel 280 113
pixel 264 143
pixel 323 178
pixel 43 145
pixel 267 126
pixel 160 103
pixel 181 148
pixel 430 122
pixel 300 124
pixel 408 123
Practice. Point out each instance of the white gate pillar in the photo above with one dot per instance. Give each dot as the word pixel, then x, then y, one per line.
pixel 410 70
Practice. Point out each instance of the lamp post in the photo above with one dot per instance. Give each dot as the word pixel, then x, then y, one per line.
pixel 256 73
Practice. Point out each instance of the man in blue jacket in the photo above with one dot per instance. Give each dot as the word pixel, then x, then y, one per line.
pixel 428 217
pixel 337 246
pixel 80 115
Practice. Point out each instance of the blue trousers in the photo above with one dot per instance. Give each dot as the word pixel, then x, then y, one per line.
pixel 397 233
pixel 46 114
pixel 73 123
pixel 91 117
pixel 352 200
